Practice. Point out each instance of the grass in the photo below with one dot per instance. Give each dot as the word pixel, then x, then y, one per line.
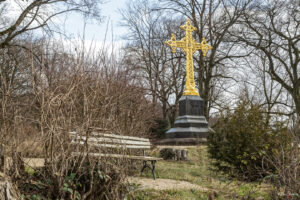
pixel 198 170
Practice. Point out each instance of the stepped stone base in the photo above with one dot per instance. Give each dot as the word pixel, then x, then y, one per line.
pixel 190 127
pixel 181 141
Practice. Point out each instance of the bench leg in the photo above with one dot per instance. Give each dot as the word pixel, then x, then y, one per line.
pixel 144 166
pixel 153 168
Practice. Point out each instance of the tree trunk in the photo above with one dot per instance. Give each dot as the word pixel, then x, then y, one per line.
pixel 297 105
pixel 206 98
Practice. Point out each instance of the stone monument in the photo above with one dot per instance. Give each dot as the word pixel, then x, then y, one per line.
pixel 190 126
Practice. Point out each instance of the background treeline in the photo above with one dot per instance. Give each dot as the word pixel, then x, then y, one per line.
pixel 255 50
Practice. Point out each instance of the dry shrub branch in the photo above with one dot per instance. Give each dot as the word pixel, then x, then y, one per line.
pixel 286 179
pixel 72 92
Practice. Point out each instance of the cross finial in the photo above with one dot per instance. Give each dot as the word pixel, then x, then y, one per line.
pixel 189 46
pixel 188 26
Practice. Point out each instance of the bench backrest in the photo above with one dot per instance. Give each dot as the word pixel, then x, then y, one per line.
pixel 99 139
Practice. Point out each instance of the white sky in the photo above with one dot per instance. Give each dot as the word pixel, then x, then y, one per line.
pixel 95 31
pixel 74 22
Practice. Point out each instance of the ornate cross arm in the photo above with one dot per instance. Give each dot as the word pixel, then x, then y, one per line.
pixel 203 46
pixel 173 43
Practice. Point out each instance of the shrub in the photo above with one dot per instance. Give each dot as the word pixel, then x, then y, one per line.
pixel 160 128
pixel 92 181
pixel 286 179
pixel 167 153
pixel 243 138
pixel 80 103
pixel 67 92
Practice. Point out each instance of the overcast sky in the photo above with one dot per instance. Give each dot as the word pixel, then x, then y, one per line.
pixel 96 32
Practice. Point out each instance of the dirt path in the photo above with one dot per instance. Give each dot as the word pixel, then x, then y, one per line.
pixel 164 184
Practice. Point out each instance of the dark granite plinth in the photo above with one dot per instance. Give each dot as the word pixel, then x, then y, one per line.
pixel 190 126
pixel 191 105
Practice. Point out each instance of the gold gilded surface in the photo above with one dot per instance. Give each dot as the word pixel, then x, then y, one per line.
pixel 189 46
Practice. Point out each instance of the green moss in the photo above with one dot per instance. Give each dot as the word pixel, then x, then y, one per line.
pixel 29 170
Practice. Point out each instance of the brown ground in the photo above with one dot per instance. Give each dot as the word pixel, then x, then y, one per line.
pixel 164 184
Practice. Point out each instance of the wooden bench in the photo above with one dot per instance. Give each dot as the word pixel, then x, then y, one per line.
pixel 112 141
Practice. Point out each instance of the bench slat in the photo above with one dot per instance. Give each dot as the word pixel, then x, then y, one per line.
pixel 117 156
pixel 97 134
pixel 111 140
pixel 114 141
pixel 124 146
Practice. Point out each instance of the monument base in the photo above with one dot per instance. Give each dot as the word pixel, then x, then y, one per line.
pixel 181 141
pixel 190 127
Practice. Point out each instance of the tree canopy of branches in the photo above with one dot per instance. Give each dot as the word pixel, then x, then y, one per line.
pixel 271 31
pixel 162 72
pixel 18 17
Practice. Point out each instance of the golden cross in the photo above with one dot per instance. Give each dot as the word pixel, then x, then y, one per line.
pixel 189 46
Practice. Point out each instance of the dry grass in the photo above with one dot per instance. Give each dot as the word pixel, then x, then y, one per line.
pixel 198 170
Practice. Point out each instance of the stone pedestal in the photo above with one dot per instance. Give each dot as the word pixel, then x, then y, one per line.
pixel 174 154
pixel 190 126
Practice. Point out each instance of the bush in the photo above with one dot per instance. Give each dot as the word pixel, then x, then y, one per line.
pixel 93 181
pixel 160 128
pixel 243 138
pixel 167 153
pixel 66 92
pixel 286 179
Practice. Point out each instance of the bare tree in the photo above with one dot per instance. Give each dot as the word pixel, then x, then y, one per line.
pixel 256 86
pixel 162 72
pixel 271 30
pixel 31 15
